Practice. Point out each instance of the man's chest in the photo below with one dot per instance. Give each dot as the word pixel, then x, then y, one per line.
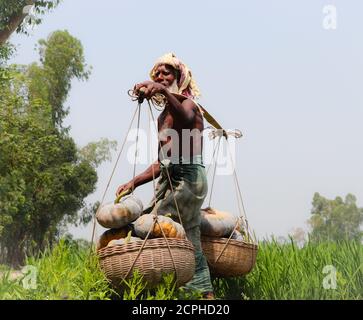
pixel 165 120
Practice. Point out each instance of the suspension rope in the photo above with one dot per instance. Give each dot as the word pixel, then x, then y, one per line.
pixel 136 145
pixel 155 215
pixel 239 202
pixel 109 180
pixel 167 171
pixel 214 173
pixel 241 208
pixel 214 151
pixel 240 194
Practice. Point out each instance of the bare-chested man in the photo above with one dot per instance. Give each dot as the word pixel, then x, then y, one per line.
pixel 180 127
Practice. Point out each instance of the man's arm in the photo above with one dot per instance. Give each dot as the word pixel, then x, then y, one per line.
pixel 148 174
pixel 142 178
pixel 183 110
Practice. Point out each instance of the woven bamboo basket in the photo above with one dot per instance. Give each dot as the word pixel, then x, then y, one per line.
pixel 154 261
pixel 238 257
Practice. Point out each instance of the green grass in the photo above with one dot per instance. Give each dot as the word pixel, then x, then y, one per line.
pixel 66 272
pixel 285 271
pixel 282 271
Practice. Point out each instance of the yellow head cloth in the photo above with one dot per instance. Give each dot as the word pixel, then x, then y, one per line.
pixel 186 85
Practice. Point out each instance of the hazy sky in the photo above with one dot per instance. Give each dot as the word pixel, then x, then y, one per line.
pixel 268 68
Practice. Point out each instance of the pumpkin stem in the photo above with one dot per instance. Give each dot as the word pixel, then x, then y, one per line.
pixel 122 194
pixel 127 239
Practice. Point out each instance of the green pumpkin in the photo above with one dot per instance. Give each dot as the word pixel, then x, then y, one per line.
pixel 126 240
pixel 216 223
pixel 118 215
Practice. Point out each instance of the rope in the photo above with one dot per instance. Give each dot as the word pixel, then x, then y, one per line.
pixel 214 151
pixel 214 173
pixel 220 135
pixel 226 244
pixel 138 254
pixel 242 212
pixel 109 181
pixel 159 100
pixel 137 140
pixel 167 172
pixel 224 133
pixel 155 218
pixel 154 188
pixel 143 245
pixel 244 215
pixel 172 190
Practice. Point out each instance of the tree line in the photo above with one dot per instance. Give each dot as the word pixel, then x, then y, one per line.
pixel 44 176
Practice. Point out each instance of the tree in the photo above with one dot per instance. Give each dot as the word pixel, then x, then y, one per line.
pixel 334 220
pixel 44 177
pixel 12 15
pixel 62 59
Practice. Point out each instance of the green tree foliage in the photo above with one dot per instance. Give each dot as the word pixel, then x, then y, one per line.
pixel 12 15
pixel 335 220
pixel 97 152
pixel 44 177
pixel 62 59
pixel 5 53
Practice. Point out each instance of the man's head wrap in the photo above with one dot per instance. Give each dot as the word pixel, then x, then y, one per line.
pixel 186 84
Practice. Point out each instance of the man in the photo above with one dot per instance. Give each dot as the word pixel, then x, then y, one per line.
pixel 180 127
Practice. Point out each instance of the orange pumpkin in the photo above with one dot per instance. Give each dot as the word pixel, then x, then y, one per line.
pixel 112 234
pixel 171 228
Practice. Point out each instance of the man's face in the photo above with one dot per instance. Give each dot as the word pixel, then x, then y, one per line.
pixel 165 75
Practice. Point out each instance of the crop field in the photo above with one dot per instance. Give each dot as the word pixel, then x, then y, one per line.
pixel 282 272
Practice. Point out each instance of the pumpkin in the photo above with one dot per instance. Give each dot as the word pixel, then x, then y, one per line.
pixel 171 228
pixel 215 223
pixel 112 234
pixel 118 215
pixel 127 240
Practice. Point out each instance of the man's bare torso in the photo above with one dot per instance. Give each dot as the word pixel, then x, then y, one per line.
pixel 189 142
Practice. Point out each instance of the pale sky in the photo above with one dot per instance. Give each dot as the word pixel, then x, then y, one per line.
pixel 268 68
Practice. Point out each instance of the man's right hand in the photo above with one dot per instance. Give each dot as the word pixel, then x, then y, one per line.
pixel 130 185
pixel 149 88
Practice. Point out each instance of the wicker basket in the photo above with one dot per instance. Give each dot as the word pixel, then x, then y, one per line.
pixel 237 259
pixel 153 261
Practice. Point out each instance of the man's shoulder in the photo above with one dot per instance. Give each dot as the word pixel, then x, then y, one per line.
pixel 189 103
pixel 186 102
pixel 182 98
